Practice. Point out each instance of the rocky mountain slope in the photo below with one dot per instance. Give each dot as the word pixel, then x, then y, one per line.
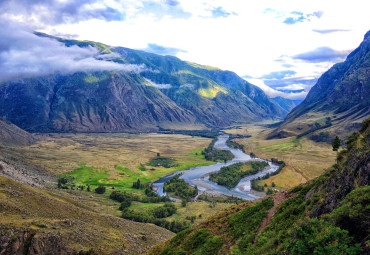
pixel 12 135
pixel 341 94
pixel 286 104
pixel 329 215
pixel 166 93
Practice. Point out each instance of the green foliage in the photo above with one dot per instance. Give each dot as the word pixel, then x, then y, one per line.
pixel 216 155
pixel 354 213
pixel 336 143
pixel 155 216
pixel 100 190
pixel 315 236
pixel 180 188
pixel 229 176
pixel 235 145
pixel 162 161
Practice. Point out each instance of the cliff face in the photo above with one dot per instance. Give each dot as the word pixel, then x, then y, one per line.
pixel 329 215
pixel 166 92
pixel 342 94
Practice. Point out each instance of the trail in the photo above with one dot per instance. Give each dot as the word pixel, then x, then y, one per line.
pixel 278 199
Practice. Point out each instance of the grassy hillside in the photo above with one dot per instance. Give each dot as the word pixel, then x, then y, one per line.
pixel 52 222
pixel 329 215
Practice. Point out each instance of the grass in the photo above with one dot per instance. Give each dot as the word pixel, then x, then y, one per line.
pixel 82 218
pixel 305 158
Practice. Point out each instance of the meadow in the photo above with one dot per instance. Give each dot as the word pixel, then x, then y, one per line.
pixel 304 158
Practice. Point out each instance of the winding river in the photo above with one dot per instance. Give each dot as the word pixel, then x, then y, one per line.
pixel 198 176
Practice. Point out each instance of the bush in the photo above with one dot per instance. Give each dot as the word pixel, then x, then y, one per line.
pixel 315 236
pixel 100 190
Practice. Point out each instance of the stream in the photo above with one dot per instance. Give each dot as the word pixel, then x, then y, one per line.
pixel 199 176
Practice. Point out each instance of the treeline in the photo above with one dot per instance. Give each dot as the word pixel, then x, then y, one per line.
pixel 317 126
pixel 254 183
pixel 180 188
pixel 202 133
pixel 126 198
pixel 156 216
pixel 215 155
pixel 221 199
pixel 229 176
pixel 235 145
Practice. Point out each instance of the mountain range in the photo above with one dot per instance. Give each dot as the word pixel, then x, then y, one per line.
pixel 338 102
pixel 167 93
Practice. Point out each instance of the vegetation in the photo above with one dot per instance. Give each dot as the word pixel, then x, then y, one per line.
pixel 212 154
pixel 100 190
pixel 229 176
pixel 235 145
pixel 254 183
pixel 162 161
pixel 179 188
pixel 329 215
pixel 220 199
pixel 317 126
pixel 156 216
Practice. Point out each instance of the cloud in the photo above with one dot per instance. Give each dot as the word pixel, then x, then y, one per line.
pixel 296 17
pixel 159 86
pixel 24 54
pixel 275 93
pixel 162 50
pixel 58 12
pixel 279 74
pixel 328 31
pixel 162 9
pixel 172 2
pixel 220 12
pixel 322 54
pixel 307 82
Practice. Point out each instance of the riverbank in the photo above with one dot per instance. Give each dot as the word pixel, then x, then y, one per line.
pixel 193 176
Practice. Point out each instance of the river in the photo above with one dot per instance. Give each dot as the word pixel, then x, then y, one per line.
pixel 198 176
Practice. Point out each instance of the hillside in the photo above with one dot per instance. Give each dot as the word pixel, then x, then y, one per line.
pixel 341 94
pixel 286 104
pixel 329 215
pixel 164 92
pixel 12 135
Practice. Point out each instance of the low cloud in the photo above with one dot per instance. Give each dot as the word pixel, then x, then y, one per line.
pixel 162 50
pixel 58 12
pixel 272 93
pixel 328 31
pixel 159 86
pixel 322 54
pixel 24 54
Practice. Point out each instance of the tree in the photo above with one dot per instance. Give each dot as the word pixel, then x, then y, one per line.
pixel 336 143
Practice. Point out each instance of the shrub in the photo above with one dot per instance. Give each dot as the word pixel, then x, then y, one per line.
pixel 100 190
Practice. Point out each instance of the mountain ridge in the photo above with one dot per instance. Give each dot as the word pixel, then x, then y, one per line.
pixel 167 93
pixel 341 94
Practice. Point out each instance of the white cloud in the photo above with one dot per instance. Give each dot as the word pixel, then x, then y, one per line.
pixel 248 42
pixel 23 54
pixel 275 93
pixel 159 86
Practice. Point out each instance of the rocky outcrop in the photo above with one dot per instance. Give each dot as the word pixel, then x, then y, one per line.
pixel 31 243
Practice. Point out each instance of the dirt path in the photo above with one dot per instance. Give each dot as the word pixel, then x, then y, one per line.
pixel 278 199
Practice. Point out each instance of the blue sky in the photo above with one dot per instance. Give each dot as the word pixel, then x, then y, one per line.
pixel 280 46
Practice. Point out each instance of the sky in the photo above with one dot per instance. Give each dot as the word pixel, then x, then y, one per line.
pixel 281 46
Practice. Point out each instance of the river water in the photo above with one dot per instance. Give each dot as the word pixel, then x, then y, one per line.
pixel 198 176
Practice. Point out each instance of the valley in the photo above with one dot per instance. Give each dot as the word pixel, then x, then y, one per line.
pixel 141 153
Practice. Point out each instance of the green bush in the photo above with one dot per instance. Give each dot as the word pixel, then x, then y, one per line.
pixel 316 236
pixel 100 190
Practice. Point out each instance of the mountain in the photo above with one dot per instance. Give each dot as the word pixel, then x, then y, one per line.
pixel 12 135
pixel 285 103
pixel 329 215
pixel 167 93
pixel 340 98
